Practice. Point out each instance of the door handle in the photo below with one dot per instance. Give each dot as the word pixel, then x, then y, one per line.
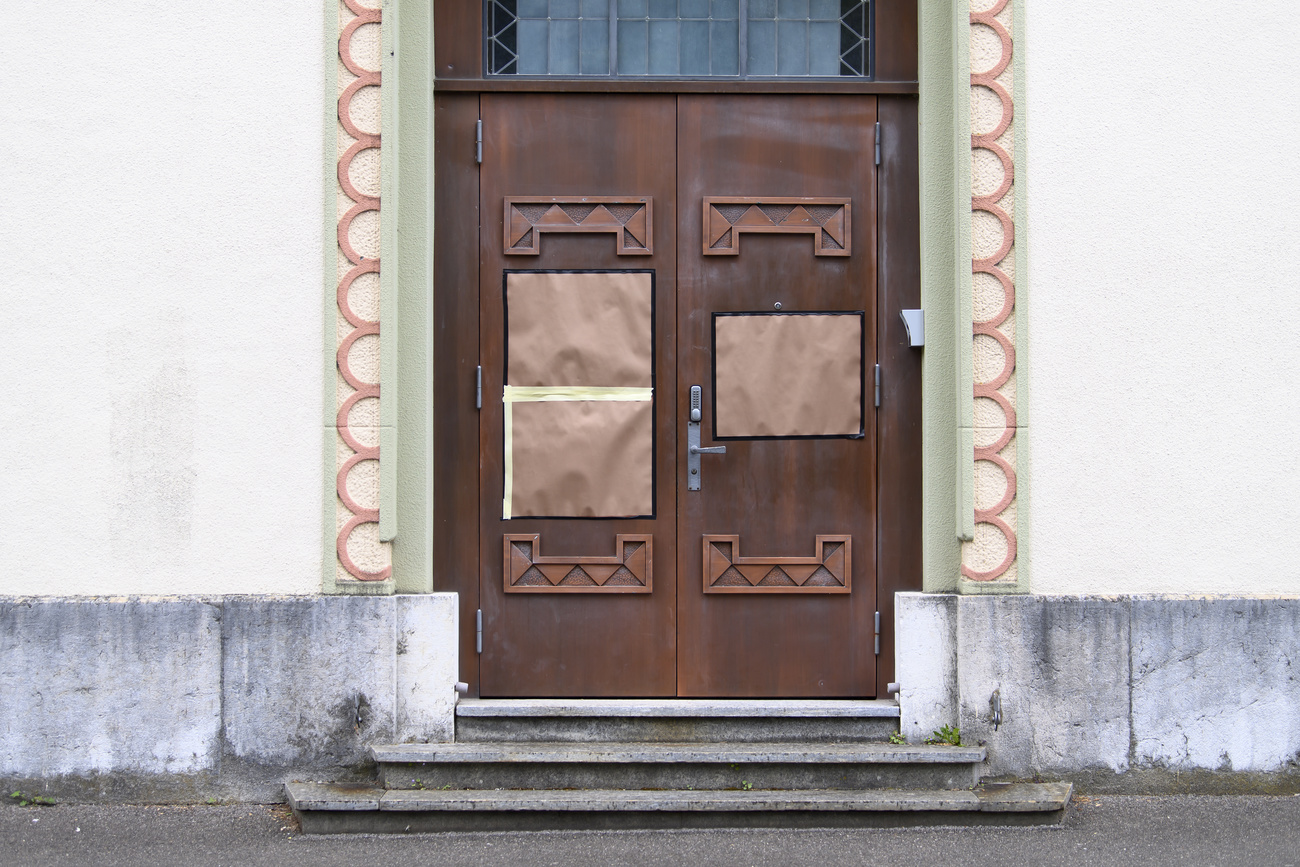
pixel 693 449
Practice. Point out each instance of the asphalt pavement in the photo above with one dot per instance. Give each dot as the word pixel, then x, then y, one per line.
pixel 1114 831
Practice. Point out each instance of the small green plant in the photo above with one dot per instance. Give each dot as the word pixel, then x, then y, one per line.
pixel 211 801
pixel 746 785
pixel 32 800
pixel 897 738
pixel 417 783
pixel 950 735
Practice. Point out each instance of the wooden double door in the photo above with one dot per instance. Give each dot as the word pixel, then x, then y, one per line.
pixel 659 273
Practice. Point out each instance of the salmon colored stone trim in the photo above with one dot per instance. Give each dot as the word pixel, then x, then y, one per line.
pixel 992 265
pixel 361 327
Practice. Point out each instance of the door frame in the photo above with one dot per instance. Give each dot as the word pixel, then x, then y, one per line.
pixel 454 455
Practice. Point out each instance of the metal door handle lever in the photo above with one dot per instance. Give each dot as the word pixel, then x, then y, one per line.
pixel 693 448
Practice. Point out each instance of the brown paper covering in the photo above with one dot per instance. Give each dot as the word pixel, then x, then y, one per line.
pixel 787 375
pixel 582 458
pixel 579 329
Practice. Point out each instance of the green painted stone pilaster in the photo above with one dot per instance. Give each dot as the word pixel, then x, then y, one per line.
pixel 943 163
pixel 406 458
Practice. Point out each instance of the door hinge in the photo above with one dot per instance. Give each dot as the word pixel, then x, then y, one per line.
pixel 877 633
pixel 877 143
pixel 478 387
pixel 478 143
pixel 478 631
pixel 877 385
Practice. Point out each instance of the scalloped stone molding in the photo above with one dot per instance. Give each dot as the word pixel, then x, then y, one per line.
pixel 991 555
pixel 361 556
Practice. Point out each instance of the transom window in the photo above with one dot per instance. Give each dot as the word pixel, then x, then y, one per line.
pixel 680 38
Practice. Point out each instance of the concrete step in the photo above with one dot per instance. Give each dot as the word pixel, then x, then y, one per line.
pixel 332 809
pixel 715 766
pixel 675 720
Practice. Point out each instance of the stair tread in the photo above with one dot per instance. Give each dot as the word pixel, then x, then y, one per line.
pixel 703 753
pixel 996 797
pixel 677 708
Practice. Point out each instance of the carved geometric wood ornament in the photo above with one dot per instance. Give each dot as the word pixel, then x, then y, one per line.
pixel 631 219
pixel 830 570
pixel 826 219
pixel 630 570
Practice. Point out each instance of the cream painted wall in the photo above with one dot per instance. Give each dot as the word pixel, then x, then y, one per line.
pixel 1164 312
pixel 161 216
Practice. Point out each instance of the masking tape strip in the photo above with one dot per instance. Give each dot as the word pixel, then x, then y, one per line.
pixel 520 393
pixel 512 394
pixel 509 461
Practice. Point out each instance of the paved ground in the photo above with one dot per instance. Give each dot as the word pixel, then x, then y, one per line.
pixel 1114 831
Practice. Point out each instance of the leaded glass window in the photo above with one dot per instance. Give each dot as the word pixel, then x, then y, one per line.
pixel 680 38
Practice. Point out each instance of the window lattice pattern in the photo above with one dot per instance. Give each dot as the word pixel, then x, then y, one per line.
pixel 549 37
pixel 806 37
pixel 679 38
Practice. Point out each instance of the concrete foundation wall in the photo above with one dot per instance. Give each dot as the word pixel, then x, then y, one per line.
pixel 182 699
pixel 1132 693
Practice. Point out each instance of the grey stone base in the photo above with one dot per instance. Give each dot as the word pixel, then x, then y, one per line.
pixel 181 700
pixel 675 721
pixel 679 708
pixel 1122 695
pixel 638 775
pixel 328 809
pixel 677 766
pixel 674 730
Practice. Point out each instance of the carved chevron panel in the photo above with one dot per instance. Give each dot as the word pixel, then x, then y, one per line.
pixel 830 570
pixel 630 570
pixel 827 220
pixel 630 219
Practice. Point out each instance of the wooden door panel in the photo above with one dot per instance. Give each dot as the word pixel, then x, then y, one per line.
pixel 607 626
pixel 776 494
pixel 455 355
pixel 900 490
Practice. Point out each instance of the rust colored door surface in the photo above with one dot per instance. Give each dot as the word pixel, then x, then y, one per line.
pixel 659 272
pixel 776 307
pixel 577 290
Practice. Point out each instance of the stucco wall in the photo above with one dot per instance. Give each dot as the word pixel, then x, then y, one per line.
pixel 1164 268
pixel 161 427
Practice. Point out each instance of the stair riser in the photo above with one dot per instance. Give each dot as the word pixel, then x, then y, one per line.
pixel 397 822
pixel 674 729
pixel 675 775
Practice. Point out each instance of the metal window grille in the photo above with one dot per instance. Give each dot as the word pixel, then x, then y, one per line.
pixel 679 38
